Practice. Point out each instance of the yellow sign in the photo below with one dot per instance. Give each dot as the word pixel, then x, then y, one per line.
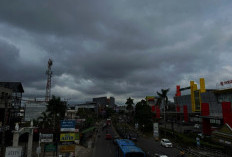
pixel 67 137
pixel 150 98
pixel 67 148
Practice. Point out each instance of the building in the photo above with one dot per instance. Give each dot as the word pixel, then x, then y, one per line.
pixel 15 99
pixel 103 102
pixel 33 109
pixel 5 106
pixel 87 105
pixel 150 100
pixel 210 107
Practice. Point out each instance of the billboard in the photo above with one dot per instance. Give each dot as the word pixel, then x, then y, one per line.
pixel 13 152
pixel 65 137
pixel 46 137
pixel 67 148
pixel 67 125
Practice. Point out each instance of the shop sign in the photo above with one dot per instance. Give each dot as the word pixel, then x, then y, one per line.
pixel 67 148
pixel 50 148
pixel 13 152
pixel 67 125
pixel 225 82
pixel 68 137
pixel 46 137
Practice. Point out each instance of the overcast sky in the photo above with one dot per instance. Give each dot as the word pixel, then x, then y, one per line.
pixel 117 48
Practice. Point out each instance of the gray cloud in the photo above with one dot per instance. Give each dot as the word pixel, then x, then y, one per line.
pixel 119 48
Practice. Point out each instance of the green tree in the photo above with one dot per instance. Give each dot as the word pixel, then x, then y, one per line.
pixel 87 114
pixel 56 110
pixel 44 120
pixel 129 104
pixel 143 115
pixel 163 98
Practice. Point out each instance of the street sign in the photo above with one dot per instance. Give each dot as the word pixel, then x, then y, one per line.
pixel 46 137
pixel 156 130
pixel 13 152
pixel 50 148
pixel 38 150
pixel 67 125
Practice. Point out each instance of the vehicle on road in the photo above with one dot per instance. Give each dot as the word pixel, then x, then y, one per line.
pixel 126 148
pixel 160 155
pixel 197 126
pixel 108 137
pixel 108 121
pixel 165 142
pixel 115 138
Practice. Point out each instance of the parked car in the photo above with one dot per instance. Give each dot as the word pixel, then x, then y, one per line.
pixel 165 142
pixel 197 126
pixel 133 137
pixel 108 137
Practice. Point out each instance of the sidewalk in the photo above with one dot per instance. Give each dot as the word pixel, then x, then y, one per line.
pixel 82 151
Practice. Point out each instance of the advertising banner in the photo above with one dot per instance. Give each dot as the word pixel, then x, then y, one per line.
pixel 156 130
pixel 68 137
pixel 67 125
pixel 50 148
pixel 46 137
pixel 13 152
pixel 67 148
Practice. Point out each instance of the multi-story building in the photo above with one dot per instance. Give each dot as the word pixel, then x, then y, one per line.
pixel 103 102
pixel 16 98
pixel 210 107
pixel 5 106
pixel 33 109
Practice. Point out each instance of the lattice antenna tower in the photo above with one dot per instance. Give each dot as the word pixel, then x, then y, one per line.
pixel 49 78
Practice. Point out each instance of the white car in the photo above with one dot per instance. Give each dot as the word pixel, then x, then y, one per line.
pixel 159 155
pixel 165 142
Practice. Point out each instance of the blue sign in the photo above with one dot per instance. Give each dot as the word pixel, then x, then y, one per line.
pixel 67 125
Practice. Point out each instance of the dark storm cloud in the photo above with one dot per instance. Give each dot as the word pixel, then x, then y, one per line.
pixel 120 48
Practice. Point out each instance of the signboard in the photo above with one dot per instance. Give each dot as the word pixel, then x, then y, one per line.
pixel 67 137
pixel 38 150
pixel 225 82
pixel 156 130
pixel 198 141
pixel 13 152
pixel 50 148
pixel 67 148
pixel 46 137
pixel 67 125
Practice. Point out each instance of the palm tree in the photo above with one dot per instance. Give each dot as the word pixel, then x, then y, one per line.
pixel 164 100
pixel 163 96
pixel 56 110
pixel 130 108
pixel 44 120
pixel 129 103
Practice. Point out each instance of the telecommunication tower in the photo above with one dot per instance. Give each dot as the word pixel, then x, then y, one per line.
pixel 49 78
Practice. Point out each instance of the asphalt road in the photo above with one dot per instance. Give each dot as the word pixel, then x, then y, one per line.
pixel 106 148
pixel 152 146
pixel 103 147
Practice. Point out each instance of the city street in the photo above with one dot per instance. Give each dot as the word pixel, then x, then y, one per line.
pixel 152 146
pixel 102 146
